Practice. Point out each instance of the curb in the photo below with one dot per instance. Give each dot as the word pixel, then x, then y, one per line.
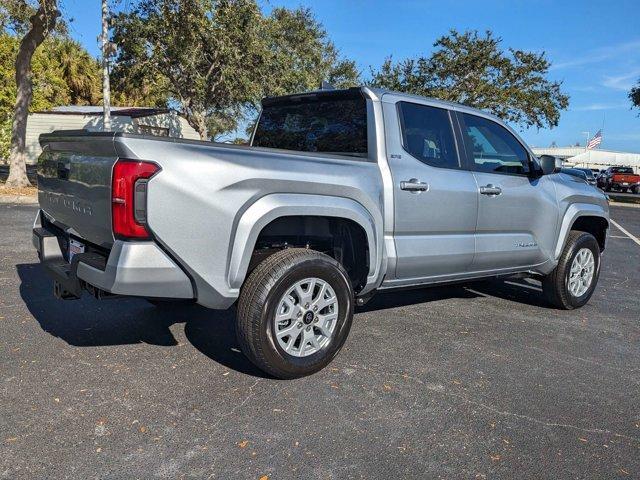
pixel 18 200
pixel 625 204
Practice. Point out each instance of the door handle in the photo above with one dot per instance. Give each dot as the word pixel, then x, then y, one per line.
pixel 490 190
pixel 414 185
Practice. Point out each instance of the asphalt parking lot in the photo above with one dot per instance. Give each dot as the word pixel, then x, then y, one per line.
pixel 476 381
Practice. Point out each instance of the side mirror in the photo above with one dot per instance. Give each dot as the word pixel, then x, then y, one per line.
pixel 549 164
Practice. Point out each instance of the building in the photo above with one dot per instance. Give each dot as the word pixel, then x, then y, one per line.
pixel 596 158
pixel 142 120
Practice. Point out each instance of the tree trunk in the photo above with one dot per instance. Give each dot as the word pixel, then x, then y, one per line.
pixel 42 23
pixel 198 121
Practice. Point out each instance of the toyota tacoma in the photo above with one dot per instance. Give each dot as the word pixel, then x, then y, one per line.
pixel 340 194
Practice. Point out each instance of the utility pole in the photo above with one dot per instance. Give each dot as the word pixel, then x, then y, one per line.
pixel 106 89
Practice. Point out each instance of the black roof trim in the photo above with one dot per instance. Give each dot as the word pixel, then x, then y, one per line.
pixel 132 112
pixel 349 93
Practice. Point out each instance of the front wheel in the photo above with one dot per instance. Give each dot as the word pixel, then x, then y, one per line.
pixel 571 284
pixel 294 312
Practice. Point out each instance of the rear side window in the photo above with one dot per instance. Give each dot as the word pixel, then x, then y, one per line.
pixel 427 135
pixel 329 124
pixel 493 148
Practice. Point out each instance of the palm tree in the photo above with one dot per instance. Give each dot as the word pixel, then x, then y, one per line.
pixel 80 71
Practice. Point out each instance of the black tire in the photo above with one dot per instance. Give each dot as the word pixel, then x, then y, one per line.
pixel 259 300
pixel 555 285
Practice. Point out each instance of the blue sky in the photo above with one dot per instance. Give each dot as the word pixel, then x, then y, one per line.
pixel 594 47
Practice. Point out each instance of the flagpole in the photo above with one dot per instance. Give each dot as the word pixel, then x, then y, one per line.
pixel 586 143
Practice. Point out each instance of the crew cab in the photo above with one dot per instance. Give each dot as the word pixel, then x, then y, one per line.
pixel 340 194
pixel 619 178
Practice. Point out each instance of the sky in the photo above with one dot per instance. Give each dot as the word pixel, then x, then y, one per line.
pixel 593 46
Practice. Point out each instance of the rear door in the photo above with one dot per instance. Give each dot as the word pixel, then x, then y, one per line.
pixel 435 199
pixel 517 211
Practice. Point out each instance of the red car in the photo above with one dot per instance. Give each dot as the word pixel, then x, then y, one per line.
pixel 619 178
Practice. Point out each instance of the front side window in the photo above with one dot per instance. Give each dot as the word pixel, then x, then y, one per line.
pixel 493 148
pixel 427 135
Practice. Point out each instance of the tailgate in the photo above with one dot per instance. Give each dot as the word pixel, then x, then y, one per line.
pixel 74 183
pixel 626 178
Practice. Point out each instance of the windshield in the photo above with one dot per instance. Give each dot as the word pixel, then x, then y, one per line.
pixel 588 171
pixel 329 123
pixel 576 172
pixel 622 170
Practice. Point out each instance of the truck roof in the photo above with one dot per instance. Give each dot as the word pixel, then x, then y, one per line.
pixel 377 94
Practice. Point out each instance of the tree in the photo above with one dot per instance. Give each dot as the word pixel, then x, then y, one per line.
pixel 42 22
pixel 472 69
pixel 301 55
pixel 634 95
pixel 62 72
pixel 15 15
pixel 79 70
pixel 214 59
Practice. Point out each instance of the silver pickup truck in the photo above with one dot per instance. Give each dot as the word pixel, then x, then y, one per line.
pixel 341 194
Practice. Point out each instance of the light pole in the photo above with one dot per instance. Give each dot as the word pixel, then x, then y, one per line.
pixel 106 89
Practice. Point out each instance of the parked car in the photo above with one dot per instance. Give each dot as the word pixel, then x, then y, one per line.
pixel 574 172
pixel 619 178
pixel 590 177
pixel 340 194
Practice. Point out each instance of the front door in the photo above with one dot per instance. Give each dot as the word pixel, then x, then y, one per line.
pixel 517 212
pixel 435 199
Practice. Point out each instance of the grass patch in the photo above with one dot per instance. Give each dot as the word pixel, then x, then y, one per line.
pixel 21 192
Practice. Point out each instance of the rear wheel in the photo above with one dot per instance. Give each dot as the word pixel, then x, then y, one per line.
pixel 571 284
pixel 295 312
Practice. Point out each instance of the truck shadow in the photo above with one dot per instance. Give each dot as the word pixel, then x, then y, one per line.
pixel 89 322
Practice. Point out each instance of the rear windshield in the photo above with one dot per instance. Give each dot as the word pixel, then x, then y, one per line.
pixel 325 123
pixel 622 170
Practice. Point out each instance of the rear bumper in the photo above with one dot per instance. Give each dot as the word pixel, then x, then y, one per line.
pixel 131 268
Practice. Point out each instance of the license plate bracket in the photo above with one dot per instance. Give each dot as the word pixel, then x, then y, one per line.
pixel 75 247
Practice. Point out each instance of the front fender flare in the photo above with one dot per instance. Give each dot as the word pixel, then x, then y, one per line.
pixel 273 206
pixel 575 211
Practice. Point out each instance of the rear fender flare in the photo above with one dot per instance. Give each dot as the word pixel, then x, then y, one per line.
pixel 271 207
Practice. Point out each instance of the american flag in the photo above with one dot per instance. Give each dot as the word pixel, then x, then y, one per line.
pixel 595 141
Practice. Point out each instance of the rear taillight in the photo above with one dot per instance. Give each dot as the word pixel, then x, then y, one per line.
pixel 129 198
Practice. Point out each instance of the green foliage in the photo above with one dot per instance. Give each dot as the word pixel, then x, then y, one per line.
pixel 63 73
pixel 301 56
pixel 15 14
pixel 634 95
pixel 472 69
pixel 215 59
pixel 79 70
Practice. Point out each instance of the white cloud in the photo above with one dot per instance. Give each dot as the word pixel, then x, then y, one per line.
pixel 622 82
pixel 601 106
pixel 599 55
